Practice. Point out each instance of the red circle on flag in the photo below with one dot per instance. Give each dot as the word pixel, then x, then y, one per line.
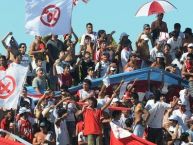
pixel 50 15
pixel 7 87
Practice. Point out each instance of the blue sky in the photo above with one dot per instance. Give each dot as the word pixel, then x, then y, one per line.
pixel 118 15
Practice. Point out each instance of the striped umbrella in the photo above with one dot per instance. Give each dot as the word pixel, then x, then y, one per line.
pixel 155 7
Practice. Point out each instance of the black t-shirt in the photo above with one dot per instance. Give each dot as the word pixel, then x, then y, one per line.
pixel 54 48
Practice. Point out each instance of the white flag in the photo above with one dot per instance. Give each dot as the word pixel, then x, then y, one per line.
pixel 11 83
pixel 45 17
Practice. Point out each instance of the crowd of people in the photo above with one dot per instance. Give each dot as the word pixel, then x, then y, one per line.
pixel 83 118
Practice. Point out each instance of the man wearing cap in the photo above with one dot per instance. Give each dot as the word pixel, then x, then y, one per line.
pixel 125 52
pixel 183 115
pixel 184 55
pixel 24 125
pixel 188 36
pixel 39 83
pixel 123 39
pixel 174 130
pixel 43 136
pixel 159 62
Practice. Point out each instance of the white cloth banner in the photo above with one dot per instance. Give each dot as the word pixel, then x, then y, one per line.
pixel 119 132
pixel 45 17
pixel 11 83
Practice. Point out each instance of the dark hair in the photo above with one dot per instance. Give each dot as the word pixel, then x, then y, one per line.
pixel 178 54
pixel 157 95
pixel 126 43
pixel 100 32
pixel 22 44
pixel 87 37
pixel 87 81
pixel 168 45
pixel 94 101
pixel 89 24
pixel 36 60
pixel 3 57
pixel 135 96
pixel 24 88
pixel 129 122
pixel 177 25
pixel 190 55
pixel 61 112
pixel 116 113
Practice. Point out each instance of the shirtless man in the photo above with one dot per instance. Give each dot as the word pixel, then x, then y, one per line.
pixel 141 116
pixel 42 137
pixel 187 71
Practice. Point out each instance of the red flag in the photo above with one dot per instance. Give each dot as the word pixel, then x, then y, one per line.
pixel 120 136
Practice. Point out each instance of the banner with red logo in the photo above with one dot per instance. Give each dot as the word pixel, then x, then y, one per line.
pixel 11 83
pixel 120 136
pixel 45 17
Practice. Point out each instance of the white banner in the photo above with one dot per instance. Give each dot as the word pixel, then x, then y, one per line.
pixel 45 17
pixel 11 83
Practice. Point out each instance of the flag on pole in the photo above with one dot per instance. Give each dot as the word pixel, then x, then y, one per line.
pixel 45 17
pixel 11 83
pixel 120 136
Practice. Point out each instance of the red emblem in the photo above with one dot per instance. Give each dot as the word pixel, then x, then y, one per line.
pixel 50 15
pixel 7 87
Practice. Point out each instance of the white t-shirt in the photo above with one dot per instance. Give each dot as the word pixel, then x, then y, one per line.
pixel 177 62
pixel 71 110
pixel 153 54
pixel 81 137
pixel 84 94
pixel 102 67
pixel 62 136
pixel 183 57
pixel 156 111
pixel 174 45
pixel 119 123
pixel 125 54
pixel 93 37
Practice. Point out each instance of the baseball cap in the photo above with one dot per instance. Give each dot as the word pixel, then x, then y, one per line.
pixel 123 35
pixel 39 68
pixel 146 26
pixel 42 124
pixel 173 117
pixel 188 30
pixel 160 55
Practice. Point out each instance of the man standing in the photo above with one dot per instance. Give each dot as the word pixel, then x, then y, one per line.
pixel 158 26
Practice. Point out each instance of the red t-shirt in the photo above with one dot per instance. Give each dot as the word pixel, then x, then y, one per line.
pixel 67 80
pixel 79 126
pixel 25 129
pixel 92 122
pixel 5 124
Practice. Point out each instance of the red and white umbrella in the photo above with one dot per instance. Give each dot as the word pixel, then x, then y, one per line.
pixel 155 7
